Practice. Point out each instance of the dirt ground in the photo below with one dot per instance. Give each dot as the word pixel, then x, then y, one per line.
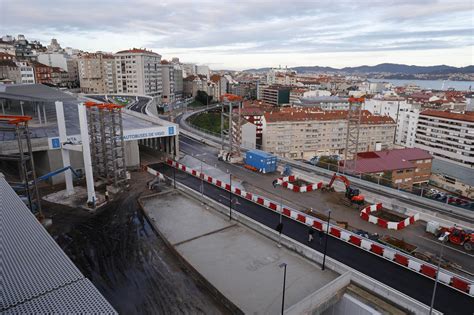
pixel 125 259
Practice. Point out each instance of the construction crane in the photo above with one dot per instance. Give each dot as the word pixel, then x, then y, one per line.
pixel 353 194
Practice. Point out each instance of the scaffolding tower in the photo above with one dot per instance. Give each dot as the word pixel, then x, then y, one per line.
pixel 234 130
pixel 107 144
pixel 27 188
pixel 354 116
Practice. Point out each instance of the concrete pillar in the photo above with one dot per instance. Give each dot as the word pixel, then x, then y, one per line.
pixel 64 153
pixel 172 152
pixel 44 112
pixel 176 146
pixel 21 107
pixel 86 152
pixel 38 112
pixel 3 107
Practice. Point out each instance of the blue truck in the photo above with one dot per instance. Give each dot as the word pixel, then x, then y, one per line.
pixel 261 161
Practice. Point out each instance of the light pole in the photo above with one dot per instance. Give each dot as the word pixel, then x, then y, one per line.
pixel 326 240
pixel 230 196
pixel 280 225
pixel 283 265
pixel 443 240
pixel 202 184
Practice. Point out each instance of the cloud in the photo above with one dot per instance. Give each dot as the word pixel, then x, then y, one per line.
pixel 246 28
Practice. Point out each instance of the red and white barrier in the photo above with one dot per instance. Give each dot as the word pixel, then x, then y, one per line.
pixel 446 277
pixel 287 183
pixel 366 215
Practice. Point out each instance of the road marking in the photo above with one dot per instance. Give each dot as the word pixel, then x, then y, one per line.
pixel 449 247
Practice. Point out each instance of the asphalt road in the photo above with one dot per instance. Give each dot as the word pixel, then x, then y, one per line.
pixel 448 301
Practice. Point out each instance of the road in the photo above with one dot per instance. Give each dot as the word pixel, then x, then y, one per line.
pixel 406 201
pixel 261 184
pixel 448 301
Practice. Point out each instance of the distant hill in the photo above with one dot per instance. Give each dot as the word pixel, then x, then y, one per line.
pixel 381 68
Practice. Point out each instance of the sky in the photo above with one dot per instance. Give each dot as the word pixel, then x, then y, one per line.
pixel 243 34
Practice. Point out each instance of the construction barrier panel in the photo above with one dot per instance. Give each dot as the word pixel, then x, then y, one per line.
pixel 366 215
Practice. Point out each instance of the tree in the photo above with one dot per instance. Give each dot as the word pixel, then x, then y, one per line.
pixel 203 97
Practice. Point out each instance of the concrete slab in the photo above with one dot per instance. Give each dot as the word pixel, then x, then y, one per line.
pixel 242 264
pixel 180 218
pixel 76 200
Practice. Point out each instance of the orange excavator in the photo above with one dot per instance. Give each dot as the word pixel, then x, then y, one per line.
pixel 353 194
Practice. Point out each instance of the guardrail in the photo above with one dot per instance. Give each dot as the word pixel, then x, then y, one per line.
pixel 411 263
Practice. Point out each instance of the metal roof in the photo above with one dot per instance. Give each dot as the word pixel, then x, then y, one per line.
pixel 33 92
pixel 37 276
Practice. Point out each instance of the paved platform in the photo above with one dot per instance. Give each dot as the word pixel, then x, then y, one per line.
pixel 242 264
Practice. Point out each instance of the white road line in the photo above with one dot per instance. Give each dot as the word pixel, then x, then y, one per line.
pixel 448 247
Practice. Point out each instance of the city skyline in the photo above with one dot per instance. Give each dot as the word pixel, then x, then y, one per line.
pixel 260 34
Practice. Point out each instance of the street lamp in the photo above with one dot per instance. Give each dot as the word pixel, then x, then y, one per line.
pixel 326 240
pixel 230 196
pixel 283 265
pixel 443 238
pixel 280 224
pixel 201 175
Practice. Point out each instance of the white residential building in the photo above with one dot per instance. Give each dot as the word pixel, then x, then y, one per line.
pixel 281 76
pixel 189 69
pixel 406 127
pixel 27 72
pixel 138 71
pixel 447 136
pixel 61 60
pixel 203 70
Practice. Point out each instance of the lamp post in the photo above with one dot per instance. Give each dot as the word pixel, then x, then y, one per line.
pixel 326 240
pixel 283 265
pixel 280 225
pixel 230 196
pixel 443 240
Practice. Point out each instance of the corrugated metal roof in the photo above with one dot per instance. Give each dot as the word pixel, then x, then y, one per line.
pixel 33 92
pixel 36 275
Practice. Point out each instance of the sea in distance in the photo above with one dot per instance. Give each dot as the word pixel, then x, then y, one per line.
pixel 441 85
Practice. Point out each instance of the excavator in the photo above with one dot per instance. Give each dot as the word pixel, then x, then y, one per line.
pixel 353 194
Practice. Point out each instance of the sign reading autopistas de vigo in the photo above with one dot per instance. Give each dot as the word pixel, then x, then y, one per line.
pixel 128 135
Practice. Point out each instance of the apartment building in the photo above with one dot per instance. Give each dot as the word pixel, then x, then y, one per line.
pixel 253 111
pixel 167 75
pixel 138 71
pixel 42 72
pixel 9 70
pixel 63 61
pixel 59 77
pixel 276 95
pixel 97 73
pixel 27 72
pixel 447 136
pixel 305 133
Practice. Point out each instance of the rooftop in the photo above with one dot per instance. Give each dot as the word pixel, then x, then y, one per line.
pixel 389 160
pixel 466 116
pixel 137 51
pixel 37 276
pixel 299 114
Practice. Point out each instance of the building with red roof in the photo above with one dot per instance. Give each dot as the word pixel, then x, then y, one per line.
pixel 401 167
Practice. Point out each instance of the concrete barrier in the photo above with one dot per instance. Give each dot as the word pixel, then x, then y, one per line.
pixel 322 299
